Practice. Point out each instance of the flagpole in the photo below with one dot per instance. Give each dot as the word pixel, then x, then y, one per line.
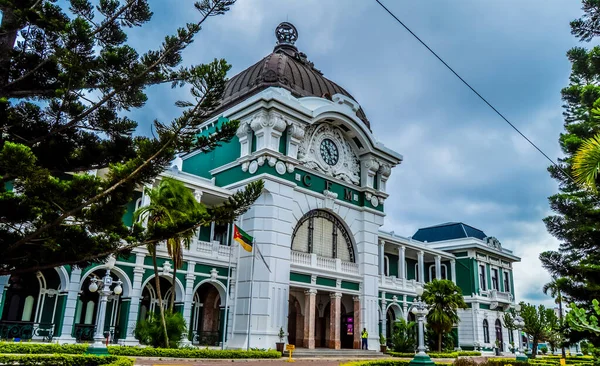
pixel 237 287
pixel 227 293
pixel 251 294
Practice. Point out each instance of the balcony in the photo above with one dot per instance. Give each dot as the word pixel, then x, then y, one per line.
pixel 311 260
pixel 397 284
pixel 500 299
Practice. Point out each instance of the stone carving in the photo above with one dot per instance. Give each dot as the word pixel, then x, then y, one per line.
pixel 166 268
pixel 347 167
pixel 213 274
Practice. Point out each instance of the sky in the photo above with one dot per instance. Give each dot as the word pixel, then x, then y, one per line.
pixel 461 161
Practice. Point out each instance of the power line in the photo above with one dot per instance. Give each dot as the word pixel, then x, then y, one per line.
pixel 477 93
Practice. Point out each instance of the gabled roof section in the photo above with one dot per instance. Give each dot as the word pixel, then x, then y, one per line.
pixel 448 231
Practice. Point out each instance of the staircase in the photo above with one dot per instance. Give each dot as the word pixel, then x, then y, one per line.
pixel 334 353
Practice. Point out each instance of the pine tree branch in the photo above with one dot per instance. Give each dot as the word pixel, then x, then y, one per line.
pixel 242 201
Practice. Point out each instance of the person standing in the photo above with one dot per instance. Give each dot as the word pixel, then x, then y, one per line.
pixel 364 336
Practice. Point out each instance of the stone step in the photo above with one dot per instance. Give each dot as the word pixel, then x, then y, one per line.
pixel 334 353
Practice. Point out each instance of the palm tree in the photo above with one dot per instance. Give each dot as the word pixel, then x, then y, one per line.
pixel 586 163
pixel 171 205
pixel 554 288
pixel 444 299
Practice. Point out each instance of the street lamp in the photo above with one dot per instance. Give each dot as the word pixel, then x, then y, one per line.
pixel 104 284
pixel 419 309
pixel 519 324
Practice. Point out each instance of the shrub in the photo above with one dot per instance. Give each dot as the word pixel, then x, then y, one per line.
pixel 469 353
pixel 544 350
pixel 386 363
pixel 150 332
pixel 64 360
pixel 464 362
pixel 47 348
pixel 403 336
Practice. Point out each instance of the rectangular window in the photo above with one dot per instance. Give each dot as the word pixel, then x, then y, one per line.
pixel 506 282
pixel 482 277
pixel 220 234
pixel 444 272
pixel 495 283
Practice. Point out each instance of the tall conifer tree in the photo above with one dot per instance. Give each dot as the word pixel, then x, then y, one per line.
pixel 577 220
pixel 67 75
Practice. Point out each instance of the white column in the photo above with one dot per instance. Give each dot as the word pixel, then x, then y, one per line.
pixel 421 266
pixel 453 270
pixel 381 258
pixel 136 294
pixel 438 267
pixel 383 319
pixel 69 315
pixel 401 262
pixel 188 299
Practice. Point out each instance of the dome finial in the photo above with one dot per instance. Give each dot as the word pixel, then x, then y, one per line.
pixel 286 34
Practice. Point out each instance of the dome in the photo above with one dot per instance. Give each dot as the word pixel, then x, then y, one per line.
pixel 286 68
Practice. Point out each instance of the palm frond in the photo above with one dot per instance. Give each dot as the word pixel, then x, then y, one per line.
pixel 586 163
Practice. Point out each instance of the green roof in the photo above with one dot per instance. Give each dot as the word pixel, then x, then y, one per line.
pixel 448 231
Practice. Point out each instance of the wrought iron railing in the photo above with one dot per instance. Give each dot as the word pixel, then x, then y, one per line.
pixel 26 330
pixel 84 332
pixel 203 338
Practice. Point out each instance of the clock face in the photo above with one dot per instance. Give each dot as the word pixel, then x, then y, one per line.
pixel 329 152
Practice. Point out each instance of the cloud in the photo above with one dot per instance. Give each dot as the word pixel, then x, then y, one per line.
pixel 462 162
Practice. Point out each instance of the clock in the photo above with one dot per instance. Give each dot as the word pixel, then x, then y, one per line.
pixel 329 152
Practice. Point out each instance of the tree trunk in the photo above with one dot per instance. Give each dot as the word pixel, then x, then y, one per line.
pixel 159 294
pixel 172 304
pixel 534 347
pixel 560 316
pixel 440 342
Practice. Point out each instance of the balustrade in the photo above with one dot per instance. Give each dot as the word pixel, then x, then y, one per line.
pixel 331 264
pixel 26 330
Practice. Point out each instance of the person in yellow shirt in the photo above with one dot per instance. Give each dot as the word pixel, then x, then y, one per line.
pixel 364 336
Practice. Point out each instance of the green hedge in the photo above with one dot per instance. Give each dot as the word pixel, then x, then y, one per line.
pixel 48 348
pixel 437 354
pixel 64 360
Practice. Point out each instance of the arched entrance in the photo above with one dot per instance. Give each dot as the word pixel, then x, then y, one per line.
pixel 393 314
pixel 499 337
pixel 208 316
pixel 86 311
pixel 31 306
pixel 295 322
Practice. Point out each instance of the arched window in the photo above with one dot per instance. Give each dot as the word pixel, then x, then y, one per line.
pixel 499 332
pixel 486 331
pixel 320 232
pixel 417 273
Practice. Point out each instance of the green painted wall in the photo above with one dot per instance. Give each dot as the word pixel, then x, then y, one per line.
pixel 201 164
pixel 350 285
pixel 410 267
pixel 448 270
pixel 464 275
pixel 484 306
pixel 393 270
pixel 313 183
pixel 124 317
pixel 489 276
pixel 297 277
pixel 204 234
pixel 130 209
pixel 60 311
pixel 325 281
pixel 283 142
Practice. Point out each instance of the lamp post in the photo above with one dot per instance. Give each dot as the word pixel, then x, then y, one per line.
pixel 104 287
pixel 419 309
pixel 519 324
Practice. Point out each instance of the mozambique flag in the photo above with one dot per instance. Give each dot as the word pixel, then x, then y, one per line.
pixel 241 237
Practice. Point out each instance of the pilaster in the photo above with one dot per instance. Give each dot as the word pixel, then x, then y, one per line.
pixel 453 270
pixel 136 294
pixel 438 267
pixel 402 262
pixel 188 299
pixel 69 316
